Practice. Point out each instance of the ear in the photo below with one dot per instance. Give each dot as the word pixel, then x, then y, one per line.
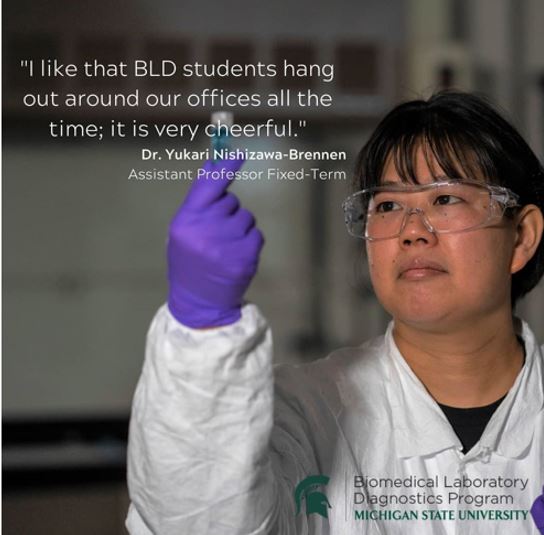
pixel 530 225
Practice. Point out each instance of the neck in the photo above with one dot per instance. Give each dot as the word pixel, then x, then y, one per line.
pixel 471 365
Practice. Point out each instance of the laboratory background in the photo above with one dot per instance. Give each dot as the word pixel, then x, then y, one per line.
pixel 84 247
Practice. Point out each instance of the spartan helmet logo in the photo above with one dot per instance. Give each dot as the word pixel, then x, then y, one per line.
pixel 316 502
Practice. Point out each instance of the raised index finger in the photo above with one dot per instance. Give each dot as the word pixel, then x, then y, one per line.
pixel 213 179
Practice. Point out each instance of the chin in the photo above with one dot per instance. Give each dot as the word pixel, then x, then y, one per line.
pixel 429 323
pixel 422 318
pixel 421 311
pixel 441 317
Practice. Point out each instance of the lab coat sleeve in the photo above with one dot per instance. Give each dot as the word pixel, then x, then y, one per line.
pixel 204 454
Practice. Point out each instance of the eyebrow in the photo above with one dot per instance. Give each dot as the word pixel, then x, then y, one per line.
pixel 438 178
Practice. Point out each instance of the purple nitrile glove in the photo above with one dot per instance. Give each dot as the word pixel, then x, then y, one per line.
pixel 213 251
pixel 537 510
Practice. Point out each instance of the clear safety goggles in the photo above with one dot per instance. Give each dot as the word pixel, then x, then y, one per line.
pixel 452 205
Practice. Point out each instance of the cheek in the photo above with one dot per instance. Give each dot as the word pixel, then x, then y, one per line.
pixel 480 262
pixel 493 250
pixel 381 263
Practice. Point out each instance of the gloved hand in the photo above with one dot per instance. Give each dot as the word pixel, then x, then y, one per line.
pixel 537 510
pixel 213 251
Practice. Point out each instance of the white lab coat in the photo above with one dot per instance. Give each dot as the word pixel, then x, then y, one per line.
pixel 219 438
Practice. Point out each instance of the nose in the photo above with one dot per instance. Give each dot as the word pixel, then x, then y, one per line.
pixel 416 229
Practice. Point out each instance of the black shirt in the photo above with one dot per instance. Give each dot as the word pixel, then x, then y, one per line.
pixel 469 424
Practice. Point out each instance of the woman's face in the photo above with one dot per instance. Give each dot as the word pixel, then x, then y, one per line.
pixel 438 281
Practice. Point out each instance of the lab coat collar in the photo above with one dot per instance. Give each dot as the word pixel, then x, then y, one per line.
pixel 421 428
pixel 511 428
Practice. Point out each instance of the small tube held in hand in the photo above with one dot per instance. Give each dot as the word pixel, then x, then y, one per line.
pixel 220 140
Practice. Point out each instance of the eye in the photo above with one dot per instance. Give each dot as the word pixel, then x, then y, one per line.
pixel 448 199
pixel 387 206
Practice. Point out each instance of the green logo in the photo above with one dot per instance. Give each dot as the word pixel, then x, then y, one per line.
pixel 316 502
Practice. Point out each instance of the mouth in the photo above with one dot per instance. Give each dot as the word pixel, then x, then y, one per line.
pixel 418 269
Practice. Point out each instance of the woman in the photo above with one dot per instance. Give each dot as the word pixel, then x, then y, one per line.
pixel 436 427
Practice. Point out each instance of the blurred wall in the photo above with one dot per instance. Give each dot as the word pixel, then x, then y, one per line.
pixel 489 46
pixel 84 247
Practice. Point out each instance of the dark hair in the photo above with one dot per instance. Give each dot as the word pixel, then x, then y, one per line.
pixel 469 139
